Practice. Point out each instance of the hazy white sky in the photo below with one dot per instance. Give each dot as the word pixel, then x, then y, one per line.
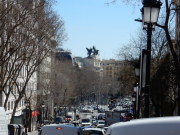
pixel 93 23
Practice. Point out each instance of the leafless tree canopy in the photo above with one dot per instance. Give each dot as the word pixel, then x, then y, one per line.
pixel 29 31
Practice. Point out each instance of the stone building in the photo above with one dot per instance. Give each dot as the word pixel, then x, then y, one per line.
pixel 111 68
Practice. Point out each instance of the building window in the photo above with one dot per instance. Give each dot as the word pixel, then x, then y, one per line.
pixel 110 72
pixel 106 72
pixel 110 75
pixel 17 105
pixel 110 68
pixel 22 102
pixel 179 18
pixel 11 105
pixel 6 89
pixel 8 105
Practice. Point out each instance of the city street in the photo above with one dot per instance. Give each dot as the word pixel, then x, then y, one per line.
pixel 68 66
pixel 94 113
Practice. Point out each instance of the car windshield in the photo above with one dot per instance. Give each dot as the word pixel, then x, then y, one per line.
pixel 92 132
pixel 68 116
pixel 102 122
pixel 85 120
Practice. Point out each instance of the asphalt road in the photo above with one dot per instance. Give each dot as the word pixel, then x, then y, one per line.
pixel 94 113
pixel 106 108
pixel 33 133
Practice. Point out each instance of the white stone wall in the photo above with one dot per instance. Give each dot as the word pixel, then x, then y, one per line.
pixel 31 88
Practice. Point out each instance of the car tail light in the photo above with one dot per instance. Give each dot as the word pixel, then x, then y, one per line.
pixel 58 128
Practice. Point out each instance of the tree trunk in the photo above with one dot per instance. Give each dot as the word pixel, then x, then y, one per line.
pixel 6 100
pixel 14 110
pixel 176 64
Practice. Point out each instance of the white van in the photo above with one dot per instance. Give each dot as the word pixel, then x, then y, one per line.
pixel 3 122
pixel 148 126
pixel 61 129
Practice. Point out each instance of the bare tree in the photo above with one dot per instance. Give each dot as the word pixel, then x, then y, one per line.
pixel 28 33
pixel 170 9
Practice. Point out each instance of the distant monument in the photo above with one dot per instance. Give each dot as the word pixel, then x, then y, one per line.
pixel 95 51
pixel 89 51
pixel 92 50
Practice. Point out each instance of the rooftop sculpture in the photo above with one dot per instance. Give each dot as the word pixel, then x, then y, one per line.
pixel 89 51
pixel 92 50
pixel 95 51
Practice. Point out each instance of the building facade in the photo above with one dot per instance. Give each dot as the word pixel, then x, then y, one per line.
pixel 111 68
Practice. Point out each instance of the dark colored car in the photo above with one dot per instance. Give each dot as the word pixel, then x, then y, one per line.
pixel 58 119
pixel 115 110
pixel 94 117
pixel 124 106
pixel 101 111
pixel 68 118
pixel 95 108
pixel 85 111
pixel 101 117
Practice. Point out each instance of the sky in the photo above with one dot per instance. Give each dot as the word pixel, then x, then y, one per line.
pixel 91 23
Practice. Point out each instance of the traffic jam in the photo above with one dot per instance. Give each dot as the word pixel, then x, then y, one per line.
pixel 87 119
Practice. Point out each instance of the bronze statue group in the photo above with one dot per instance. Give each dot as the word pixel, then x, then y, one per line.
pixel 92 50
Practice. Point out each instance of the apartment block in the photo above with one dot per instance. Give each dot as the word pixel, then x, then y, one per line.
pixel 111 68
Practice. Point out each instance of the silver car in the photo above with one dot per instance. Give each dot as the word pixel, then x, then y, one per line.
pixel 100 123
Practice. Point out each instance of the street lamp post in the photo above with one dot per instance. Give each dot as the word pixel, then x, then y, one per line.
pixel 26 104
pixel 150 14
pixel 55 110
pixel 43 106
pixel 134 101
pixel 136 88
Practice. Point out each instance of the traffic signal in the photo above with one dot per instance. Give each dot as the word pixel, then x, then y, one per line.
pixel 112 100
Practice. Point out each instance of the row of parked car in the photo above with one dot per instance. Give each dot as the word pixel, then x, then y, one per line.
pixel 149 126
pixel 69 129
pixel 15 129
pixel 9 129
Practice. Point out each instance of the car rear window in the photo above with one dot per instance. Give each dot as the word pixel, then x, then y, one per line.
pixel 58 119
pixel 101 122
